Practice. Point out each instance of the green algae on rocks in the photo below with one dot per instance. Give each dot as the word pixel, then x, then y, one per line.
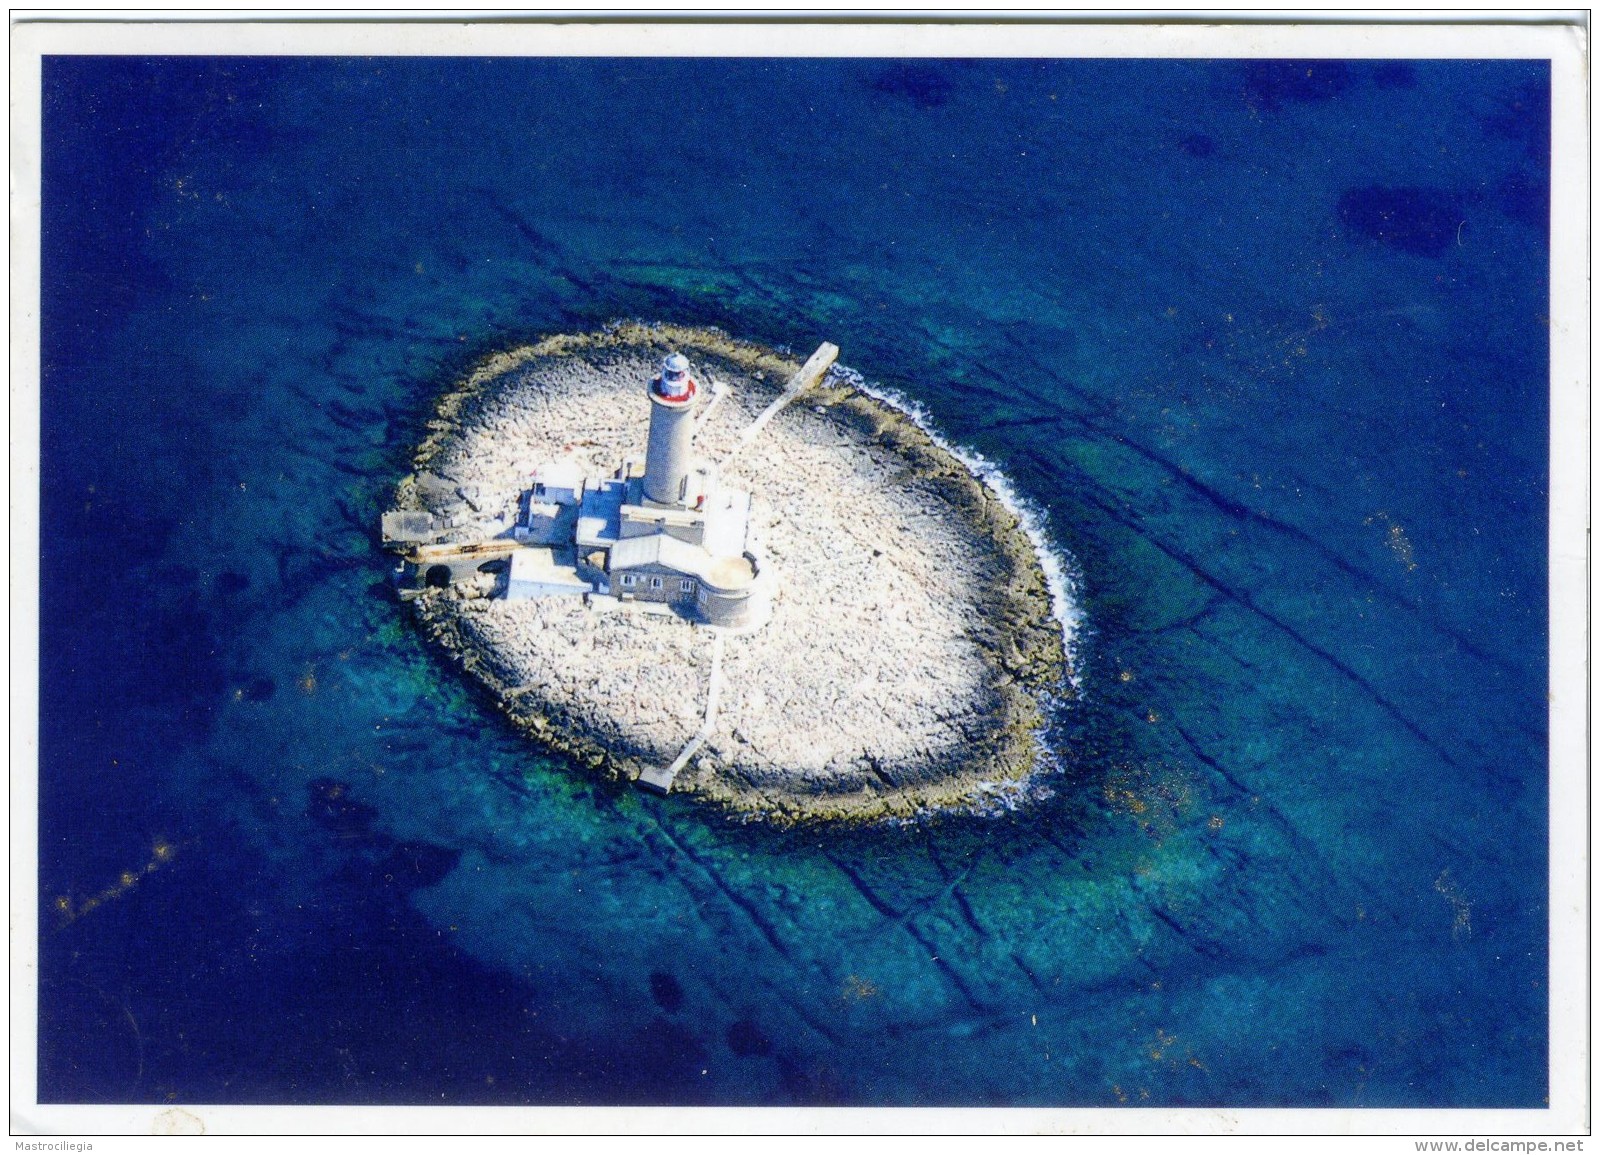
pixel 686 561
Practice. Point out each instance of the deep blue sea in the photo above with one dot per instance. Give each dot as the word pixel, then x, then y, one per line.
pixel 1266 342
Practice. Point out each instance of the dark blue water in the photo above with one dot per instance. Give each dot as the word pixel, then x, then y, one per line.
pixel 1265 340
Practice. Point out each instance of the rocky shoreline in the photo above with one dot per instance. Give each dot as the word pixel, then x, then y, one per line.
pixel 913 638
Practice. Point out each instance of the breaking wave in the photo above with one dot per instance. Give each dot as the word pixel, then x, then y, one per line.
pixel 1059 569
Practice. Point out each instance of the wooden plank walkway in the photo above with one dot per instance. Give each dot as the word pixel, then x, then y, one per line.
pixel 462 551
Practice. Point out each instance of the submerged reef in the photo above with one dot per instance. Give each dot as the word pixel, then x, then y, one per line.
pixel 913 641
pixel 1421 221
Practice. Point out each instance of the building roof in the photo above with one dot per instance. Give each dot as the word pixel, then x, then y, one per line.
pixel 408 526
pixel 729 574
pixel 538 566
pixel 659 549
pixel 600 515
pixel 727 522
pixel 559 475
pixel 531 561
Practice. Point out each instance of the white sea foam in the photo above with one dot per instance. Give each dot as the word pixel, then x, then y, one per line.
pixel 1058 567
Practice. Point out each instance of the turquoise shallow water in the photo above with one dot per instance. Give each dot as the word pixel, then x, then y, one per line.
pixel 1266 344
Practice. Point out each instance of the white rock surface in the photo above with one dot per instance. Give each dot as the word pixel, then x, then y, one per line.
pixel 871 678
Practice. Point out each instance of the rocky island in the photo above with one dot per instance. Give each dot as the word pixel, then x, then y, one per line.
pixel 695 563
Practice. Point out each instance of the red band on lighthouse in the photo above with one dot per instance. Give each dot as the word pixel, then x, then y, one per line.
pixel 675 390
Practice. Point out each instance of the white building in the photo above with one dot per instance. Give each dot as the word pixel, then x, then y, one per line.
pixel 665 531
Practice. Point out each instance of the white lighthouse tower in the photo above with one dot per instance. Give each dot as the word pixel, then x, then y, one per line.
pixel 672 402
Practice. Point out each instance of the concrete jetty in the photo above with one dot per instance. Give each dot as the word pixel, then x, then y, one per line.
pixel 661 779
pixel 809 377
pixel 911 637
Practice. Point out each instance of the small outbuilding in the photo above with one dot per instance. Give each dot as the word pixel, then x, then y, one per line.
pixel 535 573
